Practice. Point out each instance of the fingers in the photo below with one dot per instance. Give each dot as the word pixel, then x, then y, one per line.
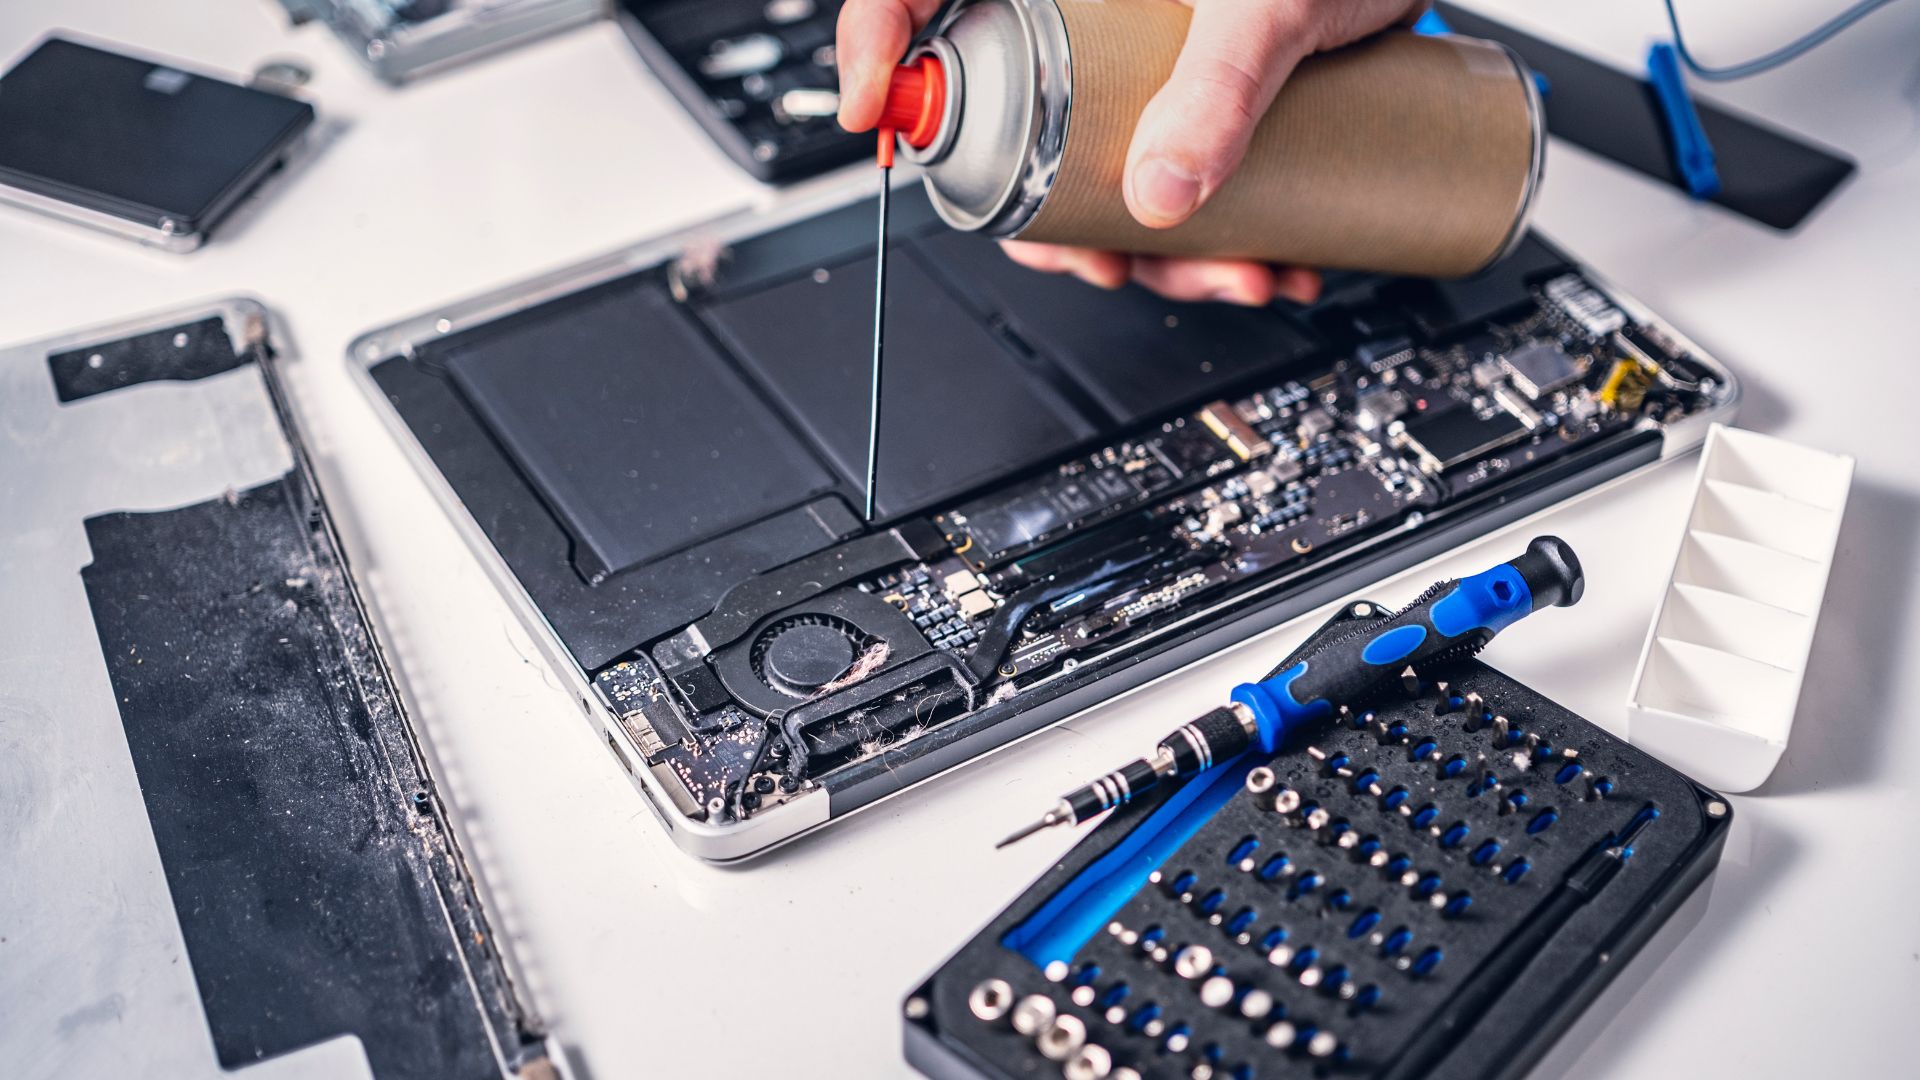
pixel 1107 269
pixel 1299 284
pixel 1232 281
pixel 1348 22
pixel 872 37
pixel 1195 130
pixel 1237 54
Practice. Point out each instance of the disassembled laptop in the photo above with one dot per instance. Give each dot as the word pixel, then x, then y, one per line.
pixel 1050 533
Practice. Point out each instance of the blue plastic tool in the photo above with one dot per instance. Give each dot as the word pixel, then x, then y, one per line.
pixel 1451 620
pixel 1692 153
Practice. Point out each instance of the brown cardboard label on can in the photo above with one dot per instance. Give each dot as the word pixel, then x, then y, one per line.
pixel 1401 153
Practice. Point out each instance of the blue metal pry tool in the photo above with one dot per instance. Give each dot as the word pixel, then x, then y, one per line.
pixel 1450 621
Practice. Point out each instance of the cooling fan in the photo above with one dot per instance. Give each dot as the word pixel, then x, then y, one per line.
pixel 801 652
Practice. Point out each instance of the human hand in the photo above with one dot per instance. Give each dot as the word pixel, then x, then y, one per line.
pixel 1189 140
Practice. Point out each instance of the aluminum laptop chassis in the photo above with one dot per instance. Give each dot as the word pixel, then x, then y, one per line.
pixel 222 838
pixel 1201 632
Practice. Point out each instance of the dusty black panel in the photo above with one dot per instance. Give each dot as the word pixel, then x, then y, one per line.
pixel 192 351
pixel 308 886
pixel 958 408
pixel 1137 354
pixel 596 622
pixel 633 429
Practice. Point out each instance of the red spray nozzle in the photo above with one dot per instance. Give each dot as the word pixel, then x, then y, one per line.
pixel 916 103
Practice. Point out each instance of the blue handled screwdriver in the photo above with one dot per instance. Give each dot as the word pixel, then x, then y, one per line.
pixel 1450 621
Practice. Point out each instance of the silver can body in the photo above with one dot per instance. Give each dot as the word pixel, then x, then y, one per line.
pixel 1010 88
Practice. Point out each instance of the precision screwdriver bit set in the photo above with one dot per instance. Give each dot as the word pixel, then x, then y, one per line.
pixel 1435 886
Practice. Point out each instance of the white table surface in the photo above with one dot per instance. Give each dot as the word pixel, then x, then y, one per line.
pixel 1806 955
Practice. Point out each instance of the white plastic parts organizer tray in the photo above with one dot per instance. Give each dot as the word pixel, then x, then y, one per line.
pixel 1720 674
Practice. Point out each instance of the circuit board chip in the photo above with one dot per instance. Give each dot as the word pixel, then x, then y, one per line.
pixel 1539 369
pixel 1455 436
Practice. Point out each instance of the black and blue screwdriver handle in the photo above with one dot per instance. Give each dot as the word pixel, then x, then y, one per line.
pixel 1450 621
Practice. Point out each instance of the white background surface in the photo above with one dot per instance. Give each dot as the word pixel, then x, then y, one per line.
pixel 1806 958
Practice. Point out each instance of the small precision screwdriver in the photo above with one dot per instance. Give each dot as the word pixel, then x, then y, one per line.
pixel 916 100
pixel 885 158
pixel 1450 621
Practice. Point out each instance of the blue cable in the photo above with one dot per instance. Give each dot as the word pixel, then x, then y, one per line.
pixel 1791 50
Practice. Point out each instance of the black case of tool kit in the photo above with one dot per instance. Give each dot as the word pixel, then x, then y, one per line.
pixel 1327 907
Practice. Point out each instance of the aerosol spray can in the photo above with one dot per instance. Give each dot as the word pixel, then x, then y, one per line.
pixel 1403 153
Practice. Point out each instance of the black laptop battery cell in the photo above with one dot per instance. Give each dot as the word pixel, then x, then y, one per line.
pixel 1079 490
pixel 138 148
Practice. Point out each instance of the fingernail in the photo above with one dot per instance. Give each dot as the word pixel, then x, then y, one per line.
pixel 1165 190
pixel 1236 296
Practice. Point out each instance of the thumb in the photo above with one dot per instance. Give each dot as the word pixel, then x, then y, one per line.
pixel 1195 130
